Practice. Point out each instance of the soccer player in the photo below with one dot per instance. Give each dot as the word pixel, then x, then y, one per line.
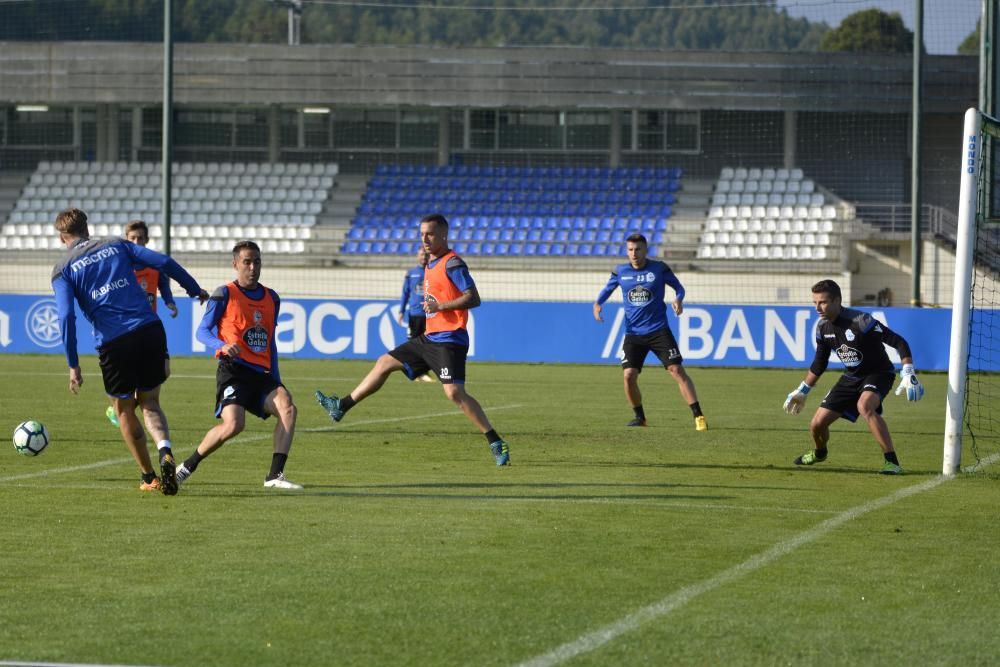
pixel 859 341
pixel 411 303
pixel 150 280
pixel 449 293
pixel 643 283
pixel 99 274
pixel 239 326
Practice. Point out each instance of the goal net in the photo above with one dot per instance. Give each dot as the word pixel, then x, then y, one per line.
pixel 973 379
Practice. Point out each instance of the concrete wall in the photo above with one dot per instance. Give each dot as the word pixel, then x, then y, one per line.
pixel 561 78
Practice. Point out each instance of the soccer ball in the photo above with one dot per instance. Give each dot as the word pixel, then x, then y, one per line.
pixel 30 438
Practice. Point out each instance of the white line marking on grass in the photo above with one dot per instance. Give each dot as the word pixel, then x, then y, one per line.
pixel 390 420
pixel 666 504
pixel 255 437
pixel 58 471
pixel 597 638
pixel 20 663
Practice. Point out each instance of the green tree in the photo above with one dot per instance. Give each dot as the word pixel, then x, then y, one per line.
pixel 970 45
pixel 869 31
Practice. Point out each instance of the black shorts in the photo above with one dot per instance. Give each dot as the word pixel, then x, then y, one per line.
pixel 420 355
pixel 416 327
pixel 843 398
pixel 237 384
pixel 135 362
pixel 661 343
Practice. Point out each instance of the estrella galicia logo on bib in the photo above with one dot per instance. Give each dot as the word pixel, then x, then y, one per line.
pixel 42 323
pixel 430 298
pixel 256 336
pixel 256 339
pixel 639 296
pixel 849 356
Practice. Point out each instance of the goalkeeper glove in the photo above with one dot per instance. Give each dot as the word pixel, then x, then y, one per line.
pixel 909 383
pixel 797 399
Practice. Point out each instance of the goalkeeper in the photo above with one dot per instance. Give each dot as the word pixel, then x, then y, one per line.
pixel 859 341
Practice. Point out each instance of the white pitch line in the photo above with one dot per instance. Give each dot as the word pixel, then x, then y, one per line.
pixel 597 638
pixel 19 663
pixel 391 420
pixel 249 438
pixel 59 471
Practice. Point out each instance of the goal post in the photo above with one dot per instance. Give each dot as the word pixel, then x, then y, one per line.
pixel 976 201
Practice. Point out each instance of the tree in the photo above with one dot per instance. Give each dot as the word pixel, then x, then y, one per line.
pixel 869 31
pixel 970 45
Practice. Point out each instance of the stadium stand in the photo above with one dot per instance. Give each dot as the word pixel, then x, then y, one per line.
pixel 516 211
pixel 768 214
pixel 213 203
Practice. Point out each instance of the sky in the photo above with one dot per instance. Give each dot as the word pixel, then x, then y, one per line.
pixel 946 22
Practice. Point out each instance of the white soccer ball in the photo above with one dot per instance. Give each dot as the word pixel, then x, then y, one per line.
pixel 30 438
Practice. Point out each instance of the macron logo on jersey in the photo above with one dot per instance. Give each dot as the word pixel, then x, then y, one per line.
pixel 93 258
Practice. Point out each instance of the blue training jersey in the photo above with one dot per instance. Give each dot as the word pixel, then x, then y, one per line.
pixel 411 303
pixel 99 274
pixel 643 292
pixel 216 308
pixel 458 273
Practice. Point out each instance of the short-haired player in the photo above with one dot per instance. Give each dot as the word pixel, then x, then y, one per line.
pixel 449 294
pixel 859 341
pixel 643 283
pixel 99 274
pixel 239 326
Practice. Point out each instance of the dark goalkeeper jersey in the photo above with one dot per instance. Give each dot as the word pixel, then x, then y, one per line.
pixel 859 341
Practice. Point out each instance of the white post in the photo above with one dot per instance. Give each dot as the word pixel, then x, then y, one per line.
pixel 972 151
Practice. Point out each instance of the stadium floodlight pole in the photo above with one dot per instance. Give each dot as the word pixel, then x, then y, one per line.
pixel 166 157
pixel 294 20
pixel 915 194
pixel 958 355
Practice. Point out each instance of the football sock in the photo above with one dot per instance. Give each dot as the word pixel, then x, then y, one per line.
pixel 192 461
pixel 491 436
pixel 696 409
pixel 891 458
pixel 277 465
pixel 639 412
pixel 148 477
pixel 821 453
pixel 346 403
pixel 163 444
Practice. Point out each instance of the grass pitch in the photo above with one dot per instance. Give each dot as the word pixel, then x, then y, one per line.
pixel 599 545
